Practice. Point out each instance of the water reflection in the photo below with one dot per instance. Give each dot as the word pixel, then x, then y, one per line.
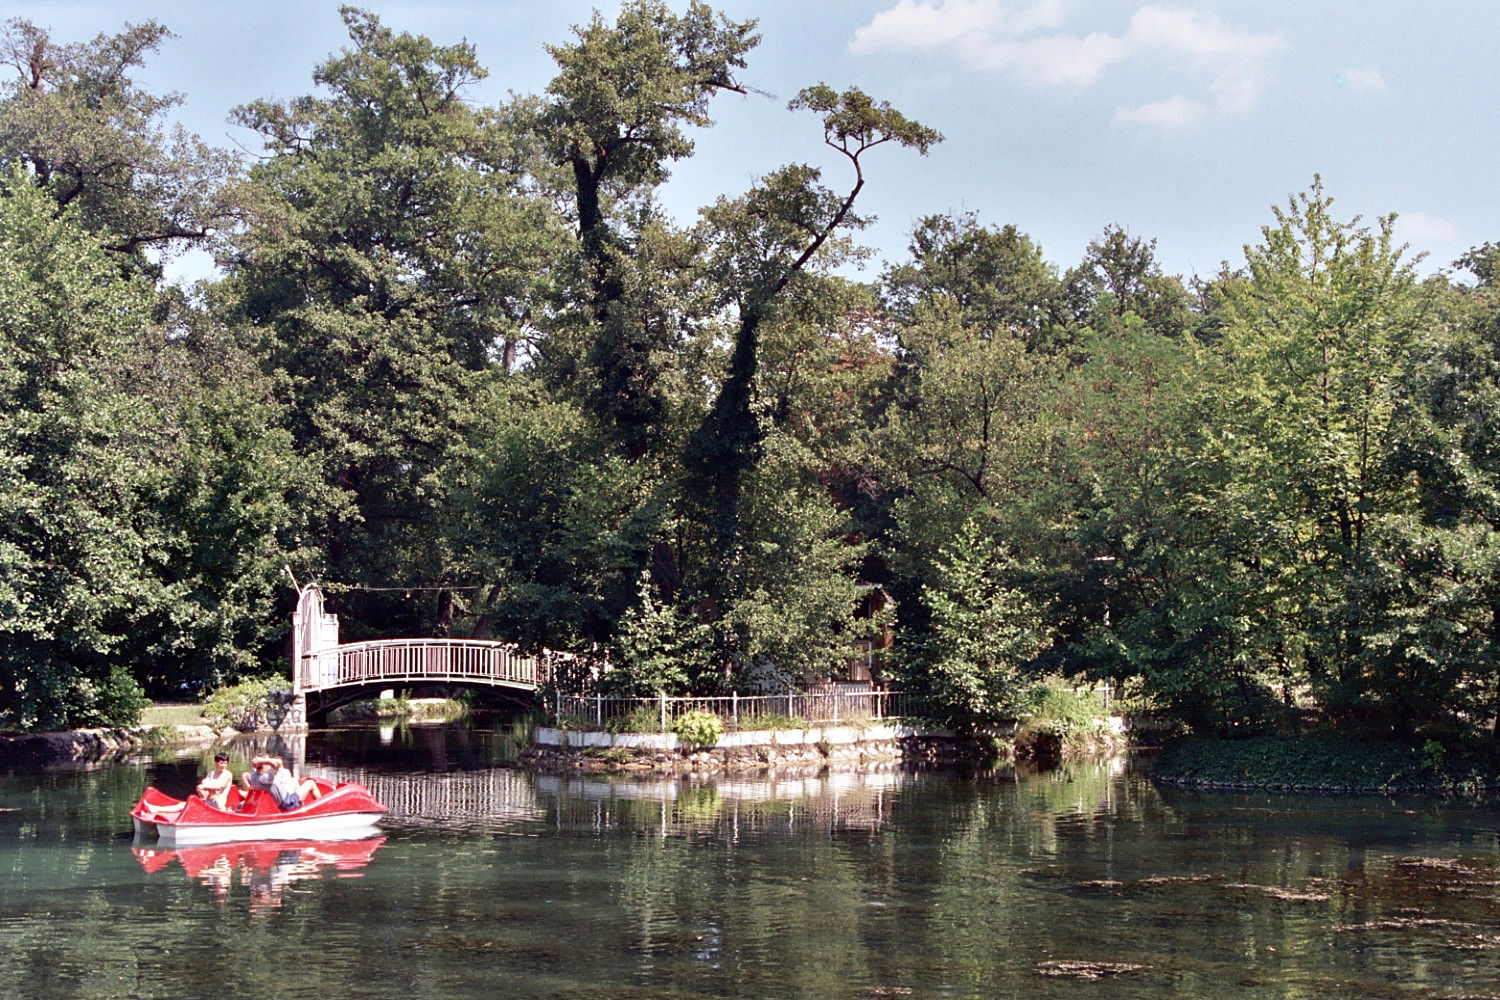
pixel 265 867
pixel 829 884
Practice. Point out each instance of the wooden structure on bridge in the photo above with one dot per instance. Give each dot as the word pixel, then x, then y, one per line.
pixel 327 674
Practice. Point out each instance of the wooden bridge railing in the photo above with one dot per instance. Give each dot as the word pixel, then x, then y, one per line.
pixel 458 660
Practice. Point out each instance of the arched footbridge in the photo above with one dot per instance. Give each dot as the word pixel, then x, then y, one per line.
pixel 327 673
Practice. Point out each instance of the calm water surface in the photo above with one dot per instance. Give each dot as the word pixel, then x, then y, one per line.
pixel 489 881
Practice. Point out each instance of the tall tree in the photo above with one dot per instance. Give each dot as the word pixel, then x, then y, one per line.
pixel 996 277
pixel 392 254
pixel 761 244
pixel 75 458
pixel 1317 340
pixel 97 142
pixel 616 116
pixel 1119 274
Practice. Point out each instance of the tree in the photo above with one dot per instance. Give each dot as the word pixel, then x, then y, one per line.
pixel 1120 275
pixel 1454 454
pixel 969 435
pixel 233 502
pixel 546 523
pixel 760 244
pixel 96 143
pixel 615 117
pixel 973 668
pixel 74 455
pixel 1318 339
pixel 658 650
pixel 392 256
pixel 996 278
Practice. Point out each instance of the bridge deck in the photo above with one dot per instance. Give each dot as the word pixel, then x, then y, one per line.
pixel 468 661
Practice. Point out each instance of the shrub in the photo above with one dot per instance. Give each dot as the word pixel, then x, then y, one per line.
pixel 392 708
pixel 248 705
pixel 1061 721
pixel 645 719
pixel 119 701
pixel 698 728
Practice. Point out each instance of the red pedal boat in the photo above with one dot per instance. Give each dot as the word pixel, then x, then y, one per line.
pixel 341 811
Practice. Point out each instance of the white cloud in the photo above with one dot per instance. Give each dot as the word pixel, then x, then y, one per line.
pixel 919 24
pixel 1423 229
pixel 1365 78
pixel 1001 36
pixel 1175 112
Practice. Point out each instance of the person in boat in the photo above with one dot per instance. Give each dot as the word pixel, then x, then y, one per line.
pixel 271 775
pixel 214 789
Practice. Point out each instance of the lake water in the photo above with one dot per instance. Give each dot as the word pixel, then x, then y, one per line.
pixel 490 881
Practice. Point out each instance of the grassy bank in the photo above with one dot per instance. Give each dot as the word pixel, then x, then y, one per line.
pixel 164 713
pixel 1329 763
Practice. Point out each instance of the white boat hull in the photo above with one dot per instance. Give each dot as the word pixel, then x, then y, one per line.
pixel 339 826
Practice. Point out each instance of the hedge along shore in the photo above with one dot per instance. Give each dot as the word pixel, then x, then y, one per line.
pixel 1329 764
pixel 23 749
pixel 844 746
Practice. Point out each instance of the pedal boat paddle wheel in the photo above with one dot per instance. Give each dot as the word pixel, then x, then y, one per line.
pixel 341 811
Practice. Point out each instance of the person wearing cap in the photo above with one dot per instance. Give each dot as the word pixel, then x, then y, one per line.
pixel 215 788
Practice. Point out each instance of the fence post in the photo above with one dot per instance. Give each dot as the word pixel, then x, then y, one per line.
pixel 837 697
pixel 598 711
pixel 663 696
pixel 734 708
pixel 556 708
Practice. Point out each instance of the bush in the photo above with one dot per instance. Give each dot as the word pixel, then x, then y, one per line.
pixel 698 728
pixel 645 719
pixel 119 701
pixel 1060 722
pixel 1328 761
pixel 392 708
pixel 248 705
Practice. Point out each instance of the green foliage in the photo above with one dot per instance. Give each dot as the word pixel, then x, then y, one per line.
pixel 557 532
pixel 392 251
pixel 615 117
pixel 1060 717
pixel 658 650
pixel 165 716
pixel 792 617
pixel 97 143
pixel 698 728
pixel 976 665
pixel 991 280
pixel 247 705
pixel 75 459
pixel 463 350
pixel 645 719
pixel 1321 761
pixel 393 708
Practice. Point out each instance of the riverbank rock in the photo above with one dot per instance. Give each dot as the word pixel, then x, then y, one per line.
pixel 91 745
pixel 74 745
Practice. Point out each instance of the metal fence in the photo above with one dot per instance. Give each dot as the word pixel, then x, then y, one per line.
pixel 737 711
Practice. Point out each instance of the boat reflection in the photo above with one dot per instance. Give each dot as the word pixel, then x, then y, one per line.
pixel 266 867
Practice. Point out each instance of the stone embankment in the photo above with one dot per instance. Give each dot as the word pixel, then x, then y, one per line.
pixel 816 746
pixel 94 744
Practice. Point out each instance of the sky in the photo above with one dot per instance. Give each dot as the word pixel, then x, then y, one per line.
pixel 1183 122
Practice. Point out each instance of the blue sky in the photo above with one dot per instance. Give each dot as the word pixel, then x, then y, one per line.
pixel 1182 121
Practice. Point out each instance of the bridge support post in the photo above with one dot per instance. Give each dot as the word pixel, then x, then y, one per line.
pixel 293 713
